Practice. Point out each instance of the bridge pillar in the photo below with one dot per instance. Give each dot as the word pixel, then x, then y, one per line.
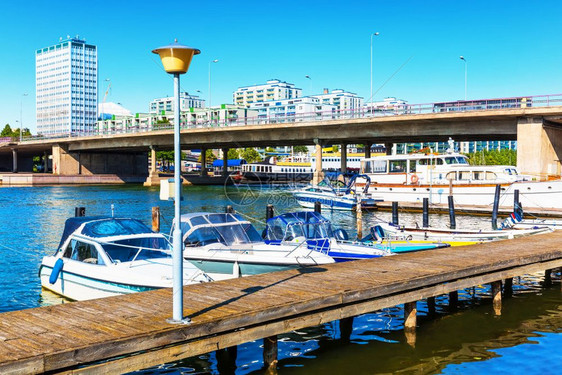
pixel 203 161
pixel 343 153
pixel 318 167
pixel 14 161
pixel 225 162
pixel 368 150
pixel 539 147
pixel 388 147
pixel 45 162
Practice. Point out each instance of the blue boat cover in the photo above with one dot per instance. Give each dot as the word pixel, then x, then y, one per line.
pixel 230 163
pixel 103 226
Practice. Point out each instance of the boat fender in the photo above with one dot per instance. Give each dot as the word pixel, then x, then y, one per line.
pixel 341 234
pixel 414 179
pixel 56 271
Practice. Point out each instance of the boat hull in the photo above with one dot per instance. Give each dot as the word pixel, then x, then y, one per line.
pixel 244 268
pixel 335 203
pixel 540 194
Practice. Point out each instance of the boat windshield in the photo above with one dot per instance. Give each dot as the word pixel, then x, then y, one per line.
pixel 114 227
pixel 126 250
pixel 229 235
pixel 287 227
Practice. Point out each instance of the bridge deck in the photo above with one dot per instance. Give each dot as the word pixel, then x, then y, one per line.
pixel 65 337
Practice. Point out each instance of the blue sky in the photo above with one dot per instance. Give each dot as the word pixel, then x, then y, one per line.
pixel 513 48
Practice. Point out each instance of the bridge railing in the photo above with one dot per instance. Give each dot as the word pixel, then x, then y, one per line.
pixel 315 116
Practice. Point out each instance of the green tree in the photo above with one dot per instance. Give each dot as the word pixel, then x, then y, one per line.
pixel 493 157
pixel 233 153
pixel 209 156
pixel 7 131
pixel 250 155
pixel 269 150
pixel 300 149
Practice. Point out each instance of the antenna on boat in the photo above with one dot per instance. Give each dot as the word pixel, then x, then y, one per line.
pixel 112 210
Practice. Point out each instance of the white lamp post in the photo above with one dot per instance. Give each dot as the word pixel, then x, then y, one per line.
pixel 176 59
pixel 371 98
pixel 465 74
pixel 210 62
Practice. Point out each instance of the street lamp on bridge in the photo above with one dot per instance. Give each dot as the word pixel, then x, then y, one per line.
pixel 176 59
pixel 465 74
pixel 371 98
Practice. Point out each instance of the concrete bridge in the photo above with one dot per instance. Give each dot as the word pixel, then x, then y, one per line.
pixel 538 131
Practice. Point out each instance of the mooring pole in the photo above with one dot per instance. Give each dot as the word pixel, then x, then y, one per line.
pixel 318 207
pixel 425 214
pixel 270 352
pixel 269 212
pixel 79 211
pixel 229 210
pixel 359 221
pixel 395 213
pixel 497 297
pixel 452 219
pixel 156 219
pixel 410 322
pixel 516 204
pixel 495 208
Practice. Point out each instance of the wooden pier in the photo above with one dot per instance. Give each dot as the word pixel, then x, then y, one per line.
pixel 126 333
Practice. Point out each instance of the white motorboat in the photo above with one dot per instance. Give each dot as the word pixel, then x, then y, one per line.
pixel 104 256
pixel 390 231
pixel 225 243
pixel 412 177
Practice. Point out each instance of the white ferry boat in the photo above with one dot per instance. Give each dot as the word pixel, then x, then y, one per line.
pixel 410 178
pixel 271 170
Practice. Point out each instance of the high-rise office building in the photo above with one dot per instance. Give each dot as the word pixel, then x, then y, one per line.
pixel 272 90
pixel 66 81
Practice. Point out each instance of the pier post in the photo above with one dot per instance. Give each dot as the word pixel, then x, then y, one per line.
pixel 359 220
pixel 495 208
pixel 156 219
pixel 497 297
pixel 343 157
pixel 452 219
pixel 431 306
pixel 269 212
pixel 508 287
pixel 547 278
pixel 79 211
pixel 425 214
pixel 516 204
pixel 395 213
pixel 410 321
pixel 270 352
pixel 346 328
pixel 318 207
pixel 453 300
pixel 229 210
pixel 226 360
pixel 318 167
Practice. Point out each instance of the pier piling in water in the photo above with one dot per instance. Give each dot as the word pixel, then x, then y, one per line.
pixel 431 306
pixel 270 346
pixel 359 221
pixel 79 211
pixel 496 207
pixel 346 328
pixel 425 214
pixel 156 219
pixel 318 207
pixel 452 220
pixel 548 278
pixel 453 300
pixel 497 297
pixel 508 287
pixel 395 213
pixel 269 211
pixel 410 322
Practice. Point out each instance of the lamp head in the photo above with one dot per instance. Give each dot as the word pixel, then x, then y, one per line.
pixel 377 33
pixel 176 57
pixel 462 58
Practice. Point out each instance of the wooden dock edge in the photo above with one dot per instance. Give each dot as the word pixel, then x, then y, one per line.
pixel 202 345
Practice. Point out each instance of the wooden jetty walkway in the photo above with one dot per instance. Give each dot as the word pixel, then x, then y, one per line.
pixel 126 333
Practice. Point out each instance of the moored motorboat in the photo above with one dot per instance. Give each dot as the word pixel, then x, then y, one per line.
pixel 104 256
pixel 317 232
pixel 396 232
pixel 225 243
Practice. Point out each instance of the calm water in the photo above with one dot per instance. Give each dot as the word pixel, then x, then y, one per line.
pixel 524 340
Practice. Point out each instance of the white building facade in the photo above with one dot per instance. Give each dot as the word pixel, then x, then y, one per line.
pixel 344 101
pixel 187 101
pixel 66 88
pixel 294 110
pixel 274 89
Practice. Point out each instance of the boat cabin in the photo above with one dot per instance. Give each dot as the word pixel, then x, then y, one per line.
pixel 200 229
